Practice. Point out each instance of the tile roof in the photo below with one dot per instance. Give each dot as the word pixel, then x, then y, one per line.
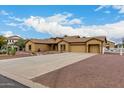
pixel 45 41
pixel 69 39
pixel 14 38
pixel 84 39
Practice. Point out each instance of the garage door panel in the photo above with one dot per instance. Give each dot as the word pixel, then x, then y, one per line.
pixel 77 48
pixel 94 49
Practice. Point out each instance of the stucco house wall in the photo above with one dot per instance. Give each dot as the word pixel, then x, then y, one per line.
pixel 94 42
pixel 66 46
pixel 35 47
pixel 32 46
pixel 42 47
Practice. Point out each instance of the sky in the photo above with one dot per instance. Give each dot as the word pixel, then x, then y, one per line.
pixel 44 21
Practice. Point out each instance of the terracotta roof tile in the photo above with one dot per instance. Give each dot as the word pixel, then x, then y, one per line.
pixel 45 41
pixel 68 39
pixel 84 39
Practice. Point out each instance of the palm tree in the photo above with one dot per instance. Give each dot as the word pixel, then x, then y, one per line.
pixel 20 43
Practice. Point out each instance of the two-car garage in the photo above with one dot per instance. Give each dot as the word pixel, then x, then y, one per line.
pixel 92 48
pixel 84 45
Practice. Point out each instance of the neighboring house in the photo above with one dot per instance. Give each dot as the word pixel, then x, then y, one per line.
pixel 110 44
pixel 119 46
pixel 12 40
pixel 67 44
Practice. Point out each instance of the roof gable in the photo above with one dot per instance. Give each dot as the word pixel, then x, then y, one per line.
pixel 74 39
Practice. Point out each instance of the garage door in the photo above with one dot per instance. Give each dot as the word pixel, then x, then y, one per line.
pixel 94 49
pixel 77 48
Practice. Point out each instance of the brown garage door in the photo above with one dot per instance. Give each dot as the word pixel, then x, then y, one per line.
pixel 94 48
pixel 77 48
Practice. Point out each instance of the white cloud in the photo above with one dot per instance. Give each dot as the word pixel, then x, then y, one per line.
pixel 3 12
pixel 11 24
pixel 59 18
pixel 52 27
pixel 119 7
pixel 16 18
pixel 18 25
pixel 55 28
pixel 7 33
pixel 75 21
pixel 100 7
pixel 16 22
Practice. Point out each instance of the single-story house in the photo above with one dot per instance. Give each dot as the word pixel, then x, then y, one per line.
pixel 68 44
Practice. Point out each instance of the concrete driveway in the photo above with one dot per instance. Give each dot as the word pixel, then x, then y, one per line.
pixel 24 69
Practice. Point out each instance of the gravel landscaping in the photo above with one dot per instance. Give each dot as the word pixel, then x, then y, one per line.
pixel 18 55
pixel 100 71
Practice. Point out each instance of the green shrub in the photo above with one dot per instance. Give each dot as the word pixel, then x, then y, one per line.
pixel 13 51
pixel 9 50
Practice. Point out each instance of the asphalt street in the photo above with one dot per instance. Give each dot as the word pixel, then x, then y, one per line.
pixel 9 83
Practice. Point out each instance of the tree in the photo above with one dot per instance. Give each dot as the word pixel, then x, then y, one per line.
pixel 3 41
pixel 20 43
pixel 123 42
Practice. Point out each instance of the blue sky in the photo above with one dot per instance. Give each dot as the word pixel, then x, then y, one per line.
pixel 49 21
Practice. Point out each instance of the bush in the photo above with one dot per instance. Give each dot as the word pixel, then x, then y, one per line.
pixel 11 51
pixel 3 51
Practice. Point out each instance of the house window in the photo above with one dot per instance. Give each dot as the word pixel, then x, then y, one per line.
pixel 29 47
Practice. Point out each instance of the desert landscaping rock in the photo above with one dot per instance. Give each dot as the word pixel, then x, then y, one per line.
pixel 100 71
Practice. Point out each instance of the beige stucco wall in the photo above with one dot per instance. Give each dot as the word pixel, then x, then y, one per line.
pixel 42 47
pixel 66 44
pixel 94 41
pixel 27 46
pixel 35 47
